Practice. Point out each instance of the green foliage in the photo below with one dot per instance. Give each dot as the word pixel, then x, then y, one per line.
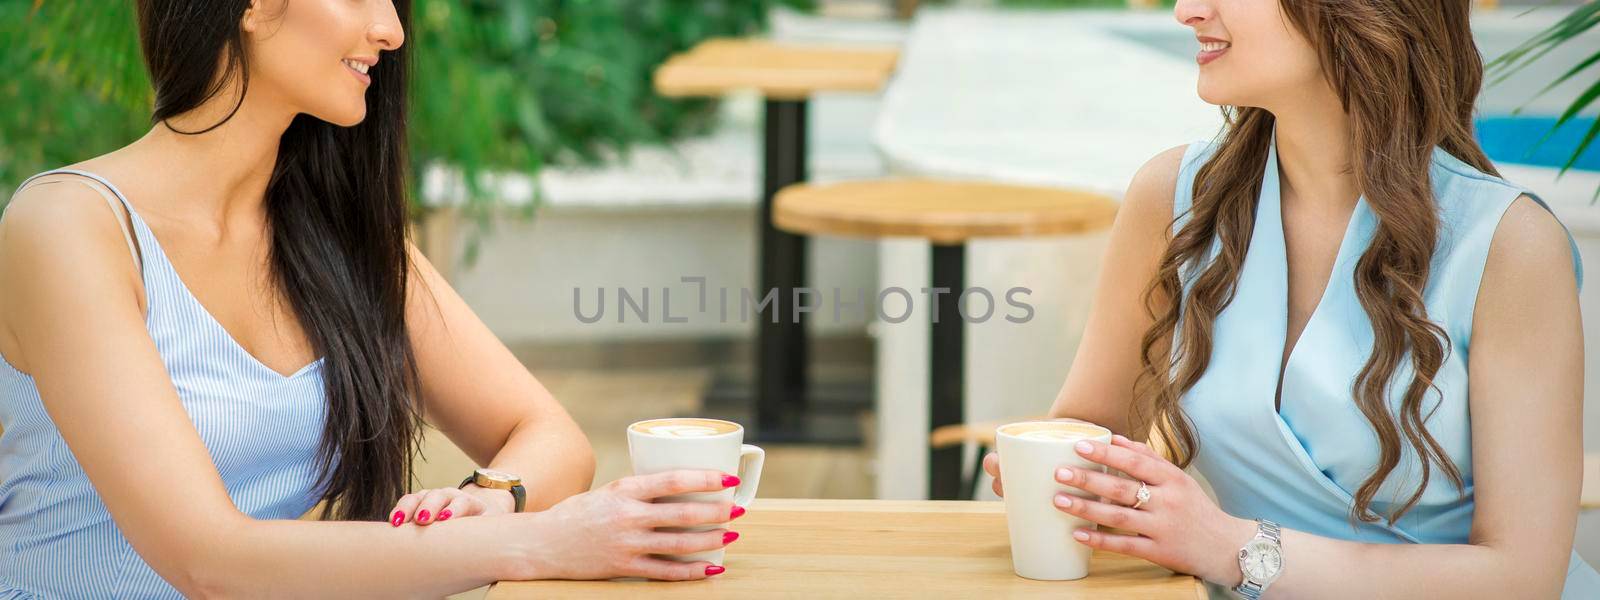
pixel 497 84
pixel 1570 29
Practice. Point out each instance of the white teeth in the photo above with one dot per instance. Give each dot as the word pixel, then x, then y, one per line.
pixel 360 67
pixel 1214 46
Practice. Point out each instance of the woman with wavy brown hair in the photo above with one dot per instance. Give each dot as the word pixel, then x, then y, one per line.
pixel 1365 340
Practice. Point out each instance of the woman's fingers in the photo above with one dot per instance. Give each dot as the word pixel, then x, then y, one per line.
pixel 1110 515
pixel 1120 490
pixel 685 543
pixel 666 570
pixel 1144 467
pixel 403 509
pixel 462 505
pixel 1131 545
pixel 433 502
pixel 688 514
pixel 991 464
pixel 672 483
pixel 1140 447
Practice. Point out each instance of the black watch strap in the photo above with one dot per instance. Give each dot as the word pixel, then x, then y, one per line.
pixel 519 494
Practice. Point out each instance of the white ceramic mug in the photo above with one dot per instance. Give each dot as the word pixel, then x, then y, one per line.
pixel 1041 535
pixel 658 445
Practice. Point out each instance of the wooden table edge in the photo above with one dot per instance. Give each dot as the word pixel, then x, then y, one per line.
pixel 887 506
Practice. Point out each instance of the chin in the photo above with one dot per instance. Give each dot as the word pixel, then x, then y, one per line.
pixel 1211 95
pixel 345 118
pixel 1214 91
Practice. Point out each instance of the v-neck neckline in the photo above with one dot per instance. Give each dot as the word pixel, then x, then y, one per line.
pixel 1270 217
pixel 140 226
pixel 200 308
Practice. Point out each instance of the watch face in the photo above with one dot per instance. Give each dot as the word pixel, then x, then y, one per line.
pixel 498 475
pixel 1261 560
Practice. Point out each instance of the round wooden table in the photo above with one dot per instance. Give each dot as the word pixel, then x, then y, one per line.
pixel 948 214
pixel 787 75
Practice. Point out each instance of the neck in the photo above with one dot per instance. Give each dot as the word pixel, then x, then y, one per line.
pixel 224 172
pixel 1314 154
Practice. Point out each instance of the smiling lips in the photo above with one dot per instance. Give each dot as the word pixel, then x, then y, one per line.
pixel 1211 48
pixel 359 68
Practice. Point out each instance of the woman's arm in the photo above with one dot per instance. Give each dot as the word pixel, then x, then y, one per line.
pixel 1099 388
pixel 74 308
pixel 1526 381
pixel 486 401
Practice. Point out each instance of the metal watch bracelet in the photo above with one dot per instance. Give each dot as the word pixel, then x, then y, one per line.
pixel 1248 587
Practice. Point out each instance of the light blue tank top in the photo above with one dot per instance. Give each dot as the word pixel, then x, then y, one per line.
pixel 261 428
pixel 1300 465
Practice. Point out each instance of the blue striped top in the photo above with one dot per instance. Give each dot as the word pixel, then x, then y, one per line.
pixel 262 429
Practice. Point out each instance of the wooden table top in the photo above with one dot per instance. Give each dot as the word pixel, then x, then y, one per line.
pixel 779 71
pixel 878 549
pixel 945 212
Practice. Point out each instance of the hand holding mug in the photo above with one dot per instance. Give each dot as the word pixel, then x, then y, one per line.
pixel 1177 527
pixel 611 531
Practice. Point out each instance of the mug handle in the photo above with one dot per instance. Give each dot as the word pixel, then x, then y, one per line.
pixel 750 460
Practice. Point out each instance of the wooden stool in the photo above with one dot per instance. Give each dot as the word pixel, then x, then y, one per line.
pixel 787 76
pixel 947 214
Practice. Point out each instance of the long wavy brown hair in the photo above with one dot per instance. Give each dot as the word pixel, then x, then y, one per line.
pixel 1407 73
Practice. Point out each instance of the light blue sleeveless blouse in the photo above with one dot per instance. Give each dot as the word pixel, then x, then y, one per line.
pixel 1300 465
pixel 261 428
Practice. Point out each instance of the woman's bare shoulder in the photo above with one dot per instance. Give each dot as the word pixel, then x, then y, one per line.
pixel 60 233
pixel 1150 194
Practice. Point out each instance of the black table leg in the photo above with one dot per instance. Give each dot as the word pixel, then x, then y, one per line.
pixel 781 353
pixel 783 406
pixel 946 367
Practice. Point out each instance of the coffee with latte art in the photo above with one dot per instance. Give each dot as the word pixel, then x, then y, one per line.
pixel 1056 431
pixel 685 428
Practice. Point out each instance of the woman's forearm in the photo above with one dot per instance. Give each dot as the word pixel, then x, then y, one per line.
pixel 305 559
pixel 1319 567
pixel 553 457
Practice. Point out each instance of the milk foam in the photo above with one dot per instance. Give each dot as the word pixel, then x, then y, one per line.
pixel 680 430
pixel 1056 434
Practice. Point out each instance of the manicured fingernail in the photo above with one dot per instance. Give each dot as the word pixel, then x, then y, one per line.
pixel 1063 501
pixel 729 481
pixel 729 537
pixel 1080 535
pixel 399 517
pixel 1064 475
pixel 714 570
pixel 738 511
pixel 422 516
pixel 444 514
pixel 1085 447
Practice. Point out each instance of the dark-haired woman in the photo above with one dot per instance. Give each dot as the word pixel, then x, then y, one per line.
pixel 1365 340
pixel 210 330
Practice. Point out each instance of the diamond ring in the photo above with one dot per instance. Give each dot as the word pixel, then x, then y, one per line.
pixel 1142 496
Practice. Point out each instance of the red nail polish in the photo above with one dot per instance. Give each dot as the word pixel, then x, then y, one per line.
pixel 714 570
pixel 444 514
pixel 399 517
pixel 729 537
pixel 422 516
pixel 738 511
pixel 729 481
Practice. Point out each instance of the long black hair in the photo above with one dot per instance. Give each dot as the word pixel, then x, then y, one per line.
pixel 336 210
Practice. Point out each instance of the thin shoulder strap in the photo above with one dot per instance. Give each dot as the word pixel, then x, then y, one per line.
pixel 112 196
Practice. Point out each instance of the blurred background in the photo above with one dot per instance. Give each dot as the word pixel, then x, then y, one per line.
pixel 557 163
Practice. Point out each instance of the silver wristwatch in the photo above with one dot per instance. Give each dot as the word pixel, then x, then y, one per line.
pixel 1261 560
